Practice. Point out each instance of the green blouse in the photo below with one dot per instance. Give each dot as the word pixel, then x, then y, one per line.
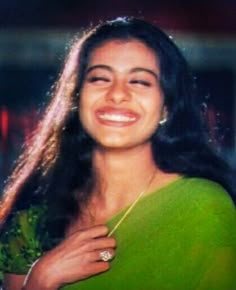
pixel 180 237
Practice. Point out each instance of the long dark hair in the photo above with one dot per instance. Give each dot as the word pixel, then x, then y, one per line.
pixel 56 167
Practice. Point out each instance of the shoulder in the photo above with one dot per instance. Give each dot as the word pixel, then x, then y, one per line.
pixel 204 210
pixel 19 243
pixel 23 222
pixel 203 201
pixel 204 191
pixel 208 203
pixel 203 183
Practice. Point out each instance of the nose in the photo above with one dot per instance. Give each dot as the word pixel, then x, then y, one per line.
pixel 118 93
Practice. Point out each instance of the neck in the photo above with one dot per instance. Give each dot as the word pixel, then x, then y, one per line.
pixel 121 174
pixel 120 178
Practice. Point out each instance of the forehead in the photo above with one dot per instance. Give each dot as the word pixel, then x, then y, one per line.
pixel 130 51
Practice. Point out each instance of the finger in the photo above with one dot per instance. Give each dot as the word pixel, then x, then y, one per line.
pixel 99 267
pixel 100 243
pixel 94 268
pixel 99 255
pixel 106 255
pixel 95 232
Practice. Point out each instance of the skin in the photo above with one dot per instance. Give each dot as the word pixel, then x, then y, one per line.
pixel 58 266
pixel 122 76
pixel 121 104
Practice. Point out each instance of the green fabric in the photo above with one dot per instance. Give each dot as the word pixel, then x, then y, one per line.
pixel 19 246
pixel 181 237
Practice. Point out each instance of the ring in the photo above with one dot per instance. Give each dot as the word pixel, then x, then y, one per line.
pixel 105 256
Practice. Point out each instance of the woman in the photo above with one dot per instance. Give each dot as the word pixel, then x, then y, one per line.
pixel 118 188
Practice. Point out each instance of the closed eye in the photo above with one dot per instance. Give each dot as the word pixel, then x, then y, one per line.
pixel 141 82
pixel 97 79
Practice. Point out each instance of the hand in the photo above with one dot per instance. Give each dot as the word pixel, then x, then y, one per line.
pixel 76 258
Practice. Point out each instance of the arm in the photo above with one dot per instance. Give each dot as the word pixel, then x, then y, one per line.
pixel 74 259
pixel 80 252
pixel 13 281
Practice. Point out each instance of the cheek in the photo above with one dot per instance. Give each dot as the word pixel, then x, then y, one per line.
pixel 83 110
pixel 86 113
pixel 89 97
pixel 153 106
pixel 85 100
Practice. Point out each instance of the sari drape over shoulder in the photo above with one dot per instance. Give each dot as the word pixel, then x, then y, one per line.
pixel 180 237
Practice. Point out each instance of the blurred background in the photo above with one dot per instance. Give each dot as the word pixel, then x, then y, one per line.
pixel 35 35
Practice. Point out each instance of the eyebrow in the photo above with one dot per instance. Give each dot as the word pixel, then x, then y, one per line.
pixel 140 69
pixel 133 70
pixel 103 66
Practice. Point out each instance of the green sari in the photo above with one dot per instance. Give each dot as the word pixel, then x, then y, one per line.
pixel 180 237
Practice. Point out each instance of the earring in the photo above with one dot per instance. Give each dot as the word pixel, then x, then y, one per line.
pixel 74 108
pixel 161 122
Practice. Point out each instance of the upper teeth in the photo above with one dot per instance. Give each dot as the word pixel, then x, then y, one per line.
pixel 115 117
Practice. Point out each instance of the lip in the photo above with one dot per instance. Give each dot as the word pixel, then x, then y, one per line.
pixel 117 117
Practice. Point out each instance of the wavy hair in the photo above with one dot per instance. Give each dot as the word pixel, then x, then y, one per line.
pixel 56 166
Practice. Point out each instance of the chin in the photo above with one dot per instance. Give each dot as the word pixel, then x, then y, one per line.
pixel 122 145
pixel 114 145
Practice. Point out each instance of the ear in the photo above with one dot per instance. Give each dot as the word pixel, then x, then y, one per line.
pixel 164 114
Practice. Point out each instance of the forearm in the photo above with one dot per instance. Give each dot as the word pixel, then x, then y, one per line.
pixel 39 279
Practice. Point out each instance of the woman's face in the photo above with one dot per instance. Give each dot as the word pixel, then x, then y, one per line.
pixel 121 101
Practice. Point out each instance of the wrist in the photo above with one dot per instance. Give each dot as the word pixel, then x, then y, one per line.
pixel 38 278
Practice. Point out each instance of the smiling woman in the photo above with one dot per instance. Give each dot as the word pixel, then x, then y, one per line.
pixel 118 188
pixel 121 100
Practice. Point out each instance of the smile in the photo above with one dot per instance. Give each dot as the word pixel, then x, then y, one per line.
pixel 116 117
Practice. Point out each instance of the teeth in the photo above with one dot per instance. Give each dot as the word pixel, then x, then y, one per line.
pixel 117 118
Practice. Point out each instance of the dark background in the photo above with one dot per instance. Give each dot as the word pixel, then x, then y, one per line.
pixel 203 16
pixel 34 36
